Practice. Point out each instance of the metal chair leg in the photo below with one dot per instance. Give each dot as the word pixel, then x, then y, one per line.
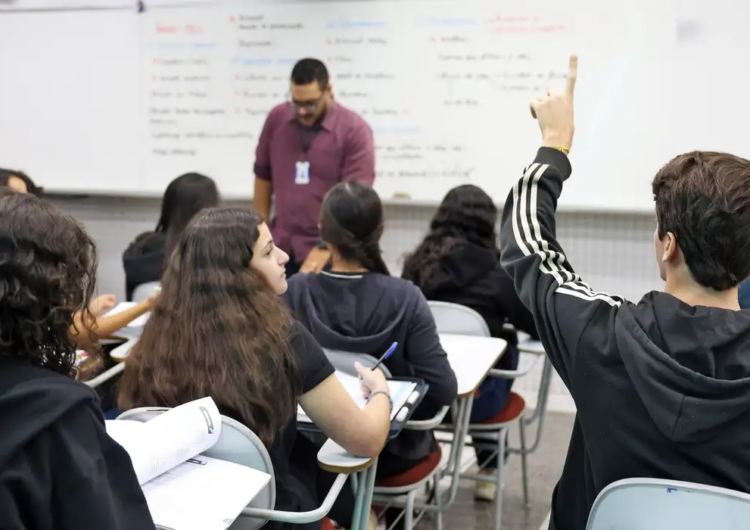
pixel 409 510
pixel 524 470
pixel 499 479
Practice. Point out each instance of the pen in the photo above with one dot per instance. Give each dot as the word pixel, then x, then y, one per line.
pixel 386 354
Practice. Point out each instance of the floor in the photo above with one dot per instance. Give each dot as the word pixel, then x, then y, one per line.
pixel 545 465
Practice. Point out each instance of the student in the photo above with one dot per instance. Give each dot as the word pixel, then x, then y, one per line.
pixel 145 259
pixel 219 329
pixel 19 182
pixel 97 326
pixel 58 468
pixel 459 262
pixel 359 307
pixel 662 388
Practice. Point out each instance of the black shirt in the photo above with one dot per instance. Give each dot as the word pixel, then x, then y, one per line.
pixel 144 261
pixel 59 470
pixel 295 473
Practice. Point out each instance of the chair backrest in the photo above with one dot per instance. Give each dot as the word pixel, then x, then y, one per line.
pixel 236 444
pixel 655 504
pixel 455 319
pixel 144 290
pixel 344 361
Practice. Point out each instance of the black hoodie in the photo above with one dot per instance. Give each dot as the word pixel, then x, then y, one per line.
pixel 471 276
pixel 58 467
pixel 144 261
pixel 366 313
pixel 662 389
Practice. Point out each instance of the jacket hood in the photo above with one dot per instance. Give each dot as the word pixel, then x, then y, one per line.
pixel 462 264
pixel 689 365
pixel 32 399
pixel 365 317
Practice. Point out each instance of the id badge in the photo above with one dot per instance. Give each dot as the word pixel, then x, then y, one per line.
pixel 302 173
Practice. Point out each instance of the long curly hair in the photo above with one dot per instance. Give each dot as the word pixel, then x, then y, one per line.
pixel 47 273
pixel 217 329
pixel 351 220
pixel 467 214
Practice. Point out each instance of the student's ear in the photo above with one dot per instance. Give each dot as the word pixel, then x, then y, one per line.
pixel 670 247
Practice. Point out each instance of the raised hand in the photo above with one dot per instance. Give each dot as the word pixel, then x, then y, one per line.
pixel 554 112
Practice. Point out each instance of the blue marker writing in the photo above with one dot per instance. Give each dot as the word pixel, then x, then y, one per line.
pixel 386 354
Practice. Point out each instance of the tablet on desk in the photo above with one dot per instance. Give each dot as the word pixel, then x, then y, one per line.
pixel 406 394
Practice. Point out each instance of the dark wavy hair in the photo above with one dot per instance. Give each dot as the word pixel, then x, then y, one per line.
pixel 217 329
pixel 351 221
pixel 703 198
pixel 47 273
pixel 185 196
pixel 6 174
pixel 467 214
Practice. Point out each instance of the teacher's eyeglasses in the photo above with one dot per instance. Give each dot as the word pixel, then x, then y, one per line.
pixel 310 106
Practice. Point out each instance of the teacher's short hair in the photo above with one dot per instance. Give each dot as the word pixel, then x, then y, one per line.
pixel 308 70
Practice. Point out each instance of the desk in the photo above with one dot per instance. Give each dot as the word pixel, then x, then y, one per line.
pixel 471 359
pixel 334 458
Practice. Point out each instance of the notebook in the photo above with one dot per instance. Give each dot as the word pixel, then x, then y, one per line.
pixel 186 490
pixel 400 392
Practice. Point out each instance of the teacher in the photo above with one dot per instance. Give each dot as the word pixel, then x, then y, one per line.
pixel 307 146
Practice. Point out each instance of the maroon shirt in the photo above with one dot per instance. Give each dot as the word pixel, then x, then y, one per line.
pixel 341 150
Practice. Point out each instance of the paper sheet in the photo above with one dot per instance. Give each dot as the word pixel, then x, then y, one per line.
pixel 400 392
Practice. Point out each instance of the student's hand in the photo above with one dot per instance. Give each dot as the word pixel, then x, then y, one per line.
pixel 315 261
pixel 102 304
pixel 554 112
pixel 370 380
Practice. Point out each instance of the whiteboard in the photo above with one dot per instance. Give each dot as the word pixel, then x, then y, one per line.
pixel 69 99
pixel 122 103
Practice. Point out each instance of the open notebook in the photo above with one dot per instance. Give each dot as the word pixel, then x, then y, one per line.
pixel 184 489
pixel 400 392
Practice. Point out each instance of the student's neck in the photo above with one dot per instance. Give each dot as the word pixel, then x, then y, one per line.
pixel 693 294
pixel 339 265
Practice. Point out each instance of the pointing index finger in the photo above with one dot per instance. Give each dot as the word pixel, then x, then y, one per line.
pixel 572 75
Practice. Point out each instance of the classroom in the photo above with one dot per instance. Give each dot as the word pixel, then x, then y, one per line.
pixel 374 264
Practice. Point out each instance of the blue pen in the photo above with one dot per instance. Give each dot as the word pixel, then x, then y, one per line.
pixel 386 354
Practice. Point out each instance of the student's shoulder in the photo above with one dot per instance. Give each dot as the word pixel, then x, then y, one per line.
pixel 313 365
pixel 148 242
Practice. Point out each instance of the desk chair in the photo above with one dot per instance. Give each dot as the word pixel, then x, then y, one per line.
pixel 144 290
pixel 240 445
pixel 656 504
pixel 489 434
pixel 401 495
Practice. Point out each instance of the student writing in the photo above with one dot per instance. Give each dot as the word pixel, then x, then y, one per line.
pixel 219 329
pixel 58 467
pixel 458 261
pixel 662 387
pixel 359 307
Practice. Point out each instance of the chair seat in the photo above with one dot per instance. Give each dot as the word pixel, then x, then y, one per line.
pixel 413 475
pixel 512 410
